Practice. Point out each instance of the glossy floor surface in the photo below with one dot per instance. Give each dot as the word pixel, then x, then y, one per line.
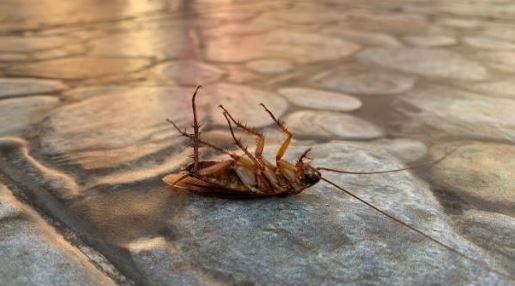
pixel 86 87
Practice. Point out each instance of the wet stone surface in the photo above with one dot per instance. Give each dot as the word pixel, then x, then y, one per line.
pixel 430 41
pixel 17 114
pixel 32 253
pixel 29 44
pixel 365 38
pixel 494 88
pixel 426 62
pixel 27 86
pixel 315 227
pixel 489 43
pixel 359 79
pixel 81 132
pixel 300 47
pixel 465 172
pixel 319 99
pixel 477 226
pixel 79 68
pixel 235 97
pixel 447 111
pixel 188 73
pixel 500 60
pixel 325 124
pixel 86 88
pixel 270 66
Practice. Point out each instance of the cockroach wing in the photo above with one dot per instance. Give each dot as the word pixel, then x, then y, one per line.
pixel 183 180
pixel 172 178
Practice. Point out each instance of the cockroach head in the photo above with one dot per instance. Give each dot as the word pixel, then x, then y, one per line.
pixel 308 173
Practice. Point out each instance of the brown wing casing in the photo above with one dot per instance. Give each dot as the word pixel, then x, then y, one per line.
pixel 224 181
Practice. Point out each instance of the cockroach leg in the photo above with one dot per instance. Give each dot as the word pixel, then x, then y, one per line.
pixel 216 168
pixel 261 162
pixel 238 141
pixel 200 141
pixel 260 138
pixel 286 142
pixel 258 167
pixel 195 132
pixel 260 144
pixel 304 155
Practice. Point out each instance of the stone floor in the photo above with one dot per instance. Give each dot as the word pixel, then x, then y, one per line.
pixel 86 87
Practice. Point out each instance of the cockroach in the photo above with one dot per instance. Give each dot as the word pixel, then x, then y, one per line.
pixel 252 176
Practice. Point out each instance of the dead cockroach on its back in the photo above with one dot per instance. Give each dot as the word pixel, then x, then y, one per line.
pixel 252 176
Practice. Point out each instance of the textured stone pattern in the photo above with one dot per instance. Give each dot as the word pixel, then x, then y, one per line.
pixel 86 88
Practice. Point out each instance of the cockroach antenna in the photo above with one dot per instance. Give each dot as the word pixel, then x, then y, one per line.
pixel 393 218
pixel 425 164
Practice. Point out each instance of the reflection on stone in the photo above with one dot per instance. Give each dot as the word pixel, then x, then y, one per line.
pixel 188 72
pixel 500 32
pixel 26 44
pixel 405 149
pixel 89 159
pixel 459 23
pixel 161 43
pixel 479 172
pixel 35 14
pixel 359 79
pixel 243 103
pixel 318 99
pixel 426 62
pixel 33 174
pixel 27 86
pixel 32 253
pixel 502 60
pixel 494 88
pixel 270 66
pixel 129 123
pixel 235 30
pixel 17 114
pixel 365 38
pixel 388 22
pixel 431 40
pixel 325 124
pixel 441 110
pixel 489 43
pixel 79 68
pixel 300 47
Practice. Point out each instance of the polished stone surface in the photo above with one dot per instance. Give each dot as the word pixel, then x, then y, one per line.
pixel 86 87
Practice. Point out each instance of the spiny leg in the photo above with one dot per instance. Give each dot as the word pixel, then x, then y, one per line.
pixel 238 141
pixel 190 136
pixel 286 142
pixel 260 176
pixel 195 132
pixel 258 164
pixel 260 140
pixel 216 168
